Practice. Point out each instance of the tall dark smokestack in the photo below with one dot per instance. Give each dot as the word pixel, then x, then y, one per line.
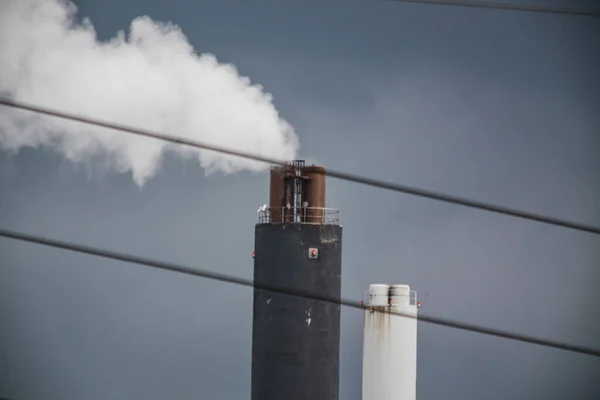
pixel 298 245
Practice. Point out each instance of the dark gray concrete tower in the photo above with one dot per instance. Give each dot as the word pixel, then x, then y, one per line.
pixel 298 245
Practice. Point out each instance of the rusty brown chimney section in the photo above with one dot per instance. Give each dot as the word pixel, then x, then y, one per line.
pixel 314 194
pixel 277 194
pixel 297 193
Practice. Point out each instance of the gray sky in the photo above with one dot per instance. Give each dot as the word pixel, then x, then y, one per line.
pixel 496 106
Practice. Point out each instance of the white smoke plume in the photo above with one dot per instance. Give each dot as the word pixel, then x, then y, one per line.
pixel 149 77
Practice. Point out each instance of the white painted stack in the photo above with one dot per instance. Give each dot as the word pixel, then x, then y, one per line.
pixel 390 343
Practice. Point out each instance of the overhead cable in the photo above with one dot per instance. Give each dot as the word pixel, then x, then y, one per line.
pixel 329 172
pixel 508 6
pixel 289 291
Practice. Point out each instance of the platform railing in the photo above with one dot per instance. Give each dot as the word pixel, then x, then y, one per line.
pixel 412 300
pixel 305 215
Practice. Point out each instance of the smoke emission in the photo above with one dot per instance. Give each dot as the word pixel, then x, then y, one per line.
pixel 148 77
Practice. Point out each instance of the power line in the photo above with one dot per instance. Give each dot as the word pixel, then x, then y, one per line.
pixel 332 173
pixel 539 8
pixel 280 289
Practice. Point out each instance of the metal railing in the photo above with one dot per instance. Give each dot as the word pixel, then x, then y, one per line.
pixel 412 300
pixel 305 215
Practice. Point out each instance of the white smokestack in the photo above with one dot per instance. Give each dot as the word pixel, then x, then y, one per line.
pixel 390 343
pixel 149 78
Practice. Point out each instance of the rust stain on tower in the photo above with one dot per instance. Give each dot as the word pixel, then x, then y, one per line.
pixel 297 193
pixel 277 194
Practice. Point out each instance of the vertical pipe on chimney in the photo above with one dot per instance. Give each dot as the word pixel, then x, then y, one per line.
pixel 315 194
pixel 277 194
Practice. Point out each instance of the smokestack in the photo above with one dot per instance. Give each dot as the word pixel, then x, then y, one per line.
pixel 390 343
pixel 298 245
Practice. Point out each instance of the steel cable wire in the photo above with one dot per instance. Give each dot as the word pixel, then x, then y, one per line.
pixel 329 172
pixel 506 6
pixel 128 258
